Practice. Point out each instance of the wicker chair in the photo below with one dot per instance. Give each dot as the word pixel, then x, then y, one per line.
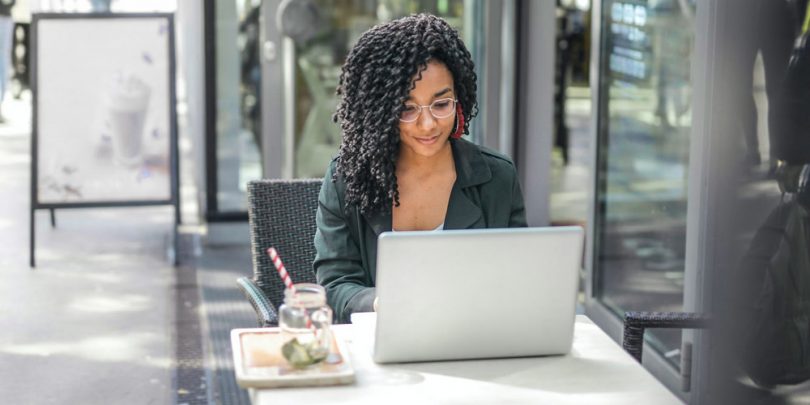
pixel 282 215
pixel 635 323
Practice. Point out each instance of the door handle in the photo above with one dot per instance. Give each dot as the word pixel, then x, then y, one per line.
pixel 269 51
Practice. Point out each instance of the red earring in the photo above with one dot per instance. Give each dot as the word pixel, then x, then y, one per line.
pixel 459 122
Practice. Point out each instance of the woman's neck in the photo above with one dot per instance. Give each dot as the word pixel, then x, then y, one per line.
pixel 417 164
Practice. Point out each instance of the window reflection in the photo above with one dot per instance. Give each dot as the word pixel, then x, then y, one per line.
pixel 238 85
pixel 762 210
pixel 645 122
pixel 323 32
pixel 572 115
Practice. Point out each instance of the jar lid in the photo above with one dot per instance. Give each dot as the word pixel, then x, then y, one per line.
pixel 305 295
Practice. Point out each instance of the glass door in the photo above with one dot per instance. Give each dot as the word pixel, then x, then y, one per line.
pixel 308 41
pixel 643 134
pixel 272 67
pixel 233 110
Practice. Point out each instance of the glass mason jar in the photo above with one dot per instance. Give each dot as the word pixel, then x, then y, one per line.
pixel 305 321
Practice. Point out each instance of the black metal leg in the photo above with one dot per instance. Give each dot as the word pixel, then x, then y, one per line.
pixel 177 222
pixel 53 218
pixel 31 235
pixel 176 246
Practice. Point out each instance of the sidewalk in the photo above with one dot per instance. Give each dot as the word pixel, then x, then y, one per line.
pixel 105 317
pixel 91 323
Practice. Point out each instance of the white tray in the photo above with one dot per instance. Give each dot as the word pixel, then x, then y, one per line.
pixel 258 362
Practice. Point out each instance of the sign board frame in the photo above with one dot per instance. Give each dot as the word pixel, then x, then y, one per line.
pixel 104 119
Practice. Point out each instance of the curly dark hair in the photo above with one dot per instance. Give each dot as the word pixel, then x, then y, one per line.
pixel 374 84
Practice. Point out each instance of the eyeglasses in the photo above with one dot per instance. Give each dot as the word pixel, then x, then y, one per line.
pixel 441 108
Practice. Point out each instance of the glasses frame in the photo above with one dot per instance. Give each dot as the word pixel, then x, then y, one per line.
pixel 430 108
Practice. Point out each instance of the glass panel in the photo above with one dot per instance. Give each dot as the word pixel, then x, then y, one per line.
pixel 643 144
pixel 572 115
pixel 320 50
pixel 238 84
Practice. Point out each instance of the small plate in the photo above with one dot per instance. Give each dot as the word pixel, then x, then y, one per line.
pixel 258 362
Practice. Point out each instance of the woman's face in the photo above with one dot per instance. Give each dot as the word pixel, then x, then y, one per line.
pixel 427 135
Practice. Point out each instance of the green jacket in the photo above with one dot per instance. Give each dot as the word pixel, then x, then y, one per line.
pixel 486 194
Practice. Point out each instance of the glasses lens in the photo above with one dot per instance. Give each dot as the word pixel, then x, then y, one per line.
pixel 442 108
pixel 410 113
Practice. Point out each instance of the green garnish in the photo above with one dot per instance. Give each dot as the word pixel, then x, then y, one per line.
pixel 300 355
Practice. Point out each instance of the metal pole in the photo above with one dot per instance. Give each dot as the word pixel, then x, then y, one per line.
pixel 31 250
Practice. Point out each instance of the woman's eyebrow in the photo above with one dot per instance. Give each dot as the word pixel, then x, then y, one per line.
pixel 442 92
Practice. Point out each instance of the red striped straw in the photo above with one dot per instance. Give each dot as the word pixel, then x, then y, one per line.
pixel 285 277
pixel 282 272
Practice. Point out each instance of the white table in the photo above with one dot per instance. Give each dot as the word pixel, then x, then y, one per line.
pixel 597 371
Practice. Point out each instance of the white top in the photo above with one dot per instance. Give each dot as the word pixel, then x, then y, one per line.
pixel 597 371
pixel 438 228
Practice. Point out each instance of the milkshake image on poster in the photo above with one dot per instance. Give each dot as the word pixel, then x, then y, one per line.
pixel 127 100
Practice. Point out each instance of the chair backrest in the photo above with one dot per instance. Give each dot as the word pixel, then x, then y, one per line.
pixel 282 215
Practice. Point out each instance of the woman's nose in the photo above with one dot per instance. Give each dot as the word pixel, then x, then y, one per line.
pixel 426 120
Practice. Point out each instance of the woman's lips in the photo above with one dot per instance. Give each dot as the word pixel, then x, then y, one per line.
pixel 427 141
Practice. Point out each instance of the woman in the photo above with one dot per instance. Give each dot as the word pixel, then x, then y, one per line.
pixel 407 95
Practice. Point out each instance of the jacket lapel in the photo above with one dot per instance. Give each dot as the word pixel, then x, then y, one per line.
pixel 462 213
pixel 471 170
pixel 378 222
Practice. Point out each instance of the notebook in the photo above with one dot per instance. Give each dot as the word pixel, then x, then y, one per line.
pixel 473 294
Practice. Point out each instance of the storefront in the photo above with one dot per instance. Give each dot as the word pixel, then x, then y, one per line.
pixel 659 155
pixel 270 98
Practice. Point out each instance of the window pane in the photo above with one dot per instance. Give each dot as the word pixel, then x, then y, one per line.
pixel 238 82
pixel 320 52
pixel 643 144
pixel 572 151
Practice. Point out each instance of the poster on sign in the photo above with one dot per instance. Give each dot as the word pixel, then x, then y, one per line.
pixel 104 109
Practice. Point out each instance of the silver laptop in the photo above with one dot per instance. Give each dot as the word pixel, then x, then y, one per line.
pixel 470 294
